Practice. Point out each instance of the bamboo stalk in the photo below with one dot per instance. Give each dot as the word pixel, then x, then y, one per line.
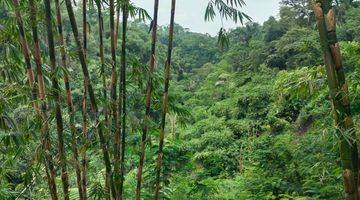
pixel 117 24
pixel 58 115
pixel 101 54
pixel 148 100
pixel 87 82
pixel 114 103
pixel 326 24
pixel 84 160
pixel 25 51
pixel 103 74
pixel 164 107
pixel 70 104
pixel 84 25
pixel 45 139
pixel 122 99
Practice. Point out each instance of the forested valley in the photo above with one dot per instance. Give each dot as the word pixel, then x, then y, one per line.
pixel 99 101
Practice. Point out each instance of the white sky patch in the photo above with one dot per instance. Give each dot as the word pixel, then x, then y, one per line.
pixel 190 13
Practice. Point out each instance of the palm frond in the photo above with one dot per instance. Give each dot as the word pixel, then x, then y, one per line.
pixel 228 9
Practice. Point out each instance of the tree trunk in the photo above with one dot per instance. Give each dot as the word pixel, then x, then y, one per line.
pixel 69 101
pixel 102 69
pixel 122 98
pixel 117 24
pixel 114 103
pixel 25 51
pixel 91 94
pixel 46 144
pixel 339 95
pixel 84 160
pixel 101 54
pixel 164 107
pixel 84 25
pixel 58 115
pixel 148 100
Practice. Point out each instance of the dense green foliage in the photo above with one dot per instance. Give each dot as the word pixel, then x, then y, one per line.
pixel 248 122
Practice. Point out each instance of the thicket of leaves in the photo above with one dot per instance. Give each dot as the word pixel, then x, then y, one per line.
pixel 261 123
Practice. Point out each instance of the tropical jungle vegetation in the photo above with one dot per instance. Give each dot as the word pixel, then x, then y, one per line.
pixel 99 101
